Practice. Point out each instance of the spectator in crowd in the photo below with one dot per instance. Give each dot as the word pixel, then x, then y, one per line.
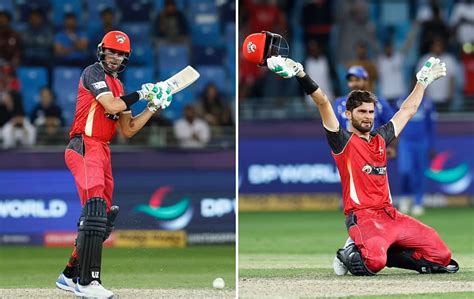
pixel 462 25
pixel 47 118
pixel 191 131
pixel 108 23
pixel 17 129
pixel 10 40
pixel 433 28
pixel 317 67
pixel 170 24
pixel 14 127
pixel 8 79
pixel 362 59
pixel 442 91
pixel 271 91
pixel 317 21
pixel 70 44
pixel 462 21
pixel 256 16
pixel 249 74
pixel 265 15
pixel 467 60
pixel 213 108
pixel 423 10
pixel 390 67
pixel 8 83
pixel 160 133
pixel 415 149
pixel 226 12
pixel 355 27
pixel 37 40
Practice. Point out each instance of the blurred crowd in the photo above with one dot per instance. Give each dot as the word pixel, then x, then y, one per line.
pixel 389 39
pixel 44 42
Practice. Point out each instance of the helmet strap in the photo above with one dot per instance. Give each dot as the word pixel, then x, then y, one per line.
pixel 101 58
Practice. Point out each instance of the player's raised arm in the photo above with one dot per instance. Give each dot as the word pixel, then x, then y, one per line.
pixel 114 105
pixel 159 98
pixel 287 68
pixel 432 69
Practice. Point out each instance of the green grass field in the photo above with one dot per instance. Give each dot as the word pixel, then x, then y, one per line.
pixel 193 267
pixel 300 246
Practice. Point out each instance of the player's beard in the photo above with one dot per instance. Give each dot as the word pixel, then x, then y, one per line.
pixel 360 127
pixel 113 65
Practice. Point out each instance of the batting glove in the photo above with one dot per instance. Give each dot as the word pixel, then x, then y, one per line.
pixel 432 70
pixel 162 99
pixel 284 67
pixel 148 91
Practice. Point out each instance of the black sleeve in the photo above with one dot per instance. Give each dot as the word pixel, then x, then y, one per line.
pixel 93 79
pixel 125 93
pixel 387 132
pixel 337 140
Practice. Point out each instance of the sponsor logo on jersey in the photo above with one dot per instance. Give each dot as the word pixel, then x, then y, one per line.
pixel 370 169
pixel 99 85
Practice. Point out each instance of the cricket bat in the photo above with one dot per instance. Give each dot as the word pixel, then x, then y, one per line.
pixel 177 82
pixel 182 79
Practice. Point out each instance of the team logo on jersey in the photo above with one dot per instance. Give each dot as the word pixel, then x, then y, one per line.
pixel 367 169
pixel 370 169
pixel 120 39
pixel 381 150
pixel 251 47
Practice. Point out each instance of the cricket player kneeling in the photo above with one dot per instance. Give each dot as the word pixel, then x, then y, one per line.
pixel 380 236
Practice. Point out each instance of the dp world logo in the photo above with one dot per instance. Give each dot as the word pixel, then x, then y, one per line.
pixel 173 217
pixel 452 180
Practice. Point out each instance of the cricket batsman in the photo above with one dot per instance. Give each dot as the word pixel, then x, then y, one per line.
pixel 382 235
pixel 101 106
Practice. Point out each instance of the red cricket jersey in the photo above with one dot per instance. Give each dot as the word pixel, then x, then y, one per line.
pixel 90 118
pixel 362 166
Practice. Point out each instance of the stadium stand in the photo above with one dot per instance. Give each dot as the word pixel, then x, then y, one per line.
pixel 381 22
pixel 63 7
pixel 134 77
pixel 211 38
pixel 65 82
pixel 32 80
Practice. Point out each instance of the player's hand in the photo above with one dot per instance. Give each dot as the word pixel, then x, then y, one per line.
pixel 433 69
pixel 284 67
pixel 148 91
pixel 162 99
